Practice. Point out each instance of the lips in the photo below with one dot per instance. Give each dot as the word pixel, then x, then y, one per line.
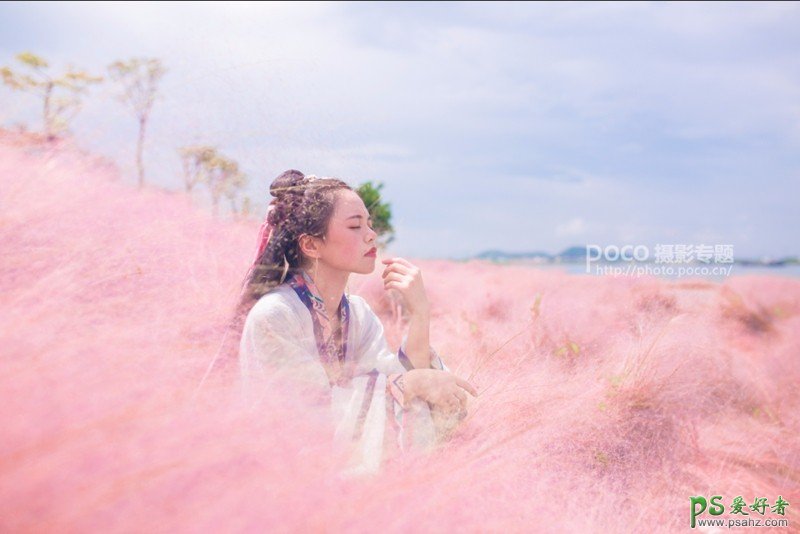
pixel 372 252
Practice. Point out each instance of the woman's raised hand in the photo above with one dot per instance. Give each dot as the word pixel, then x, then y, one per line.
pixel 444 390
pixel 406 278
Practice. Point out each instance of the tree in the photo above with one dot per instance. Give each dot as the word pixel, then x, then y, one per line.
pixel 194 160
pixel 234 182
pixel 139 78
pixel 223 178
pixel 247 207
pixel 203 164
pixel 381 213
pixel 60 95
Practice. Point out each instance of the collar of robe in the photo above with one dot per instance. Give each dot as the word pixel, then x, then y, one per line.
pixel 331 352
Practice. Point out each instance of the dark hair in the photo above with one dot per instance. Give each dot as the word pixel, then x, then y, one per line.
pixel 302 205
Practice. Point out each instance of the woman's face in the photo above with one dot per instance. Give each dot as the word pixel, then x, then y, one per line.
pixel 350 236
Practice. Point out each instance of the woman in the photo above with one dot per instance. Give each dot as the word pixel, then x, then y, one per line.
pixel 300 323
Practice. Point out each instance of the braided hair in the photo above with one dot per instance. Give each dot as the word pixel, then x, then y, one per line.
pixel 301 205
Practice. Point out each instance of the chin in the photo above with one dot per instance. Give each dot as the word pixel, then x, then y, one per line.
pixel 366 267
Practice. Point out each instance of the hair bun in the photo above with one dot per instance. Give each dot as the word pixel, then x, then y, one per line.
pixel 283 183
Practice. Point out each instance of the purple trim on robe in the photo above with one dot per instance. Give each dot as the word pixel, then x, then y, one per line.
pixel 298 283
pixel 404 359
pixel 365 403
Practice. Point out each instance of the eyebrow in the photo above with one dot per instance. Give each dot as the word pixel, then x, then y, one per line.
pixel 358 217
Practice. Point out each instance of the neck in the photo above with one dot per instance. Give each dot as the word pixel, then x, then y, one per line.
pixel 330 284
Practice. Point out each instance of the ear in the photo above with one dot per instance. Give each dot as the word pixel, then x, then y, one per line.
pixel 310 246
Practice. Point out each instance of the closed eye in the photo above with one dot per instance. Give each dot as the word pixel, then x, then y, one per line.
pixel 370 222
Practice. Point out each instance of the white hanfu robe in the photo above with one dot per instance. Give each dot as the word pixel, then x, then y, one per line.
pixel 278 336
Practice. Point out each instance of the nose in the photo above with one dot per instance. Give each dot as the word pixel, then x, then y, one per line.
pixel 372 234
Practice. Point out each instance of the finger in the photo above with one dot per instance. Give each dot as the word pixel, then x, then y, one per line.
pixel 398 268
pixel 405 262
pixel 394 277
pixel 453 405
pixel 392 261
pixel 400 263
pixel 462 397
pixel 466 385
pixel 441 404
pixel 394 285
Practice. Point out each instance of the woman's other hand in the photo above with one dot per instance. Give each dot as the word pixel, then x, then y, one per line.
pixel 406 278
pixel 444 390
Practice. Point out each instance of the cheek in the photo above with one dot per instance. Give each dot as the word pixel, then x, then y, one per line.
pixel 348 245
pixel 355 245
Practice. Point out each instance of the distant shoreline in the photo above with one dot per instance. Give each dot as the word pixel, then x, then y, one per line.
pixel 737 268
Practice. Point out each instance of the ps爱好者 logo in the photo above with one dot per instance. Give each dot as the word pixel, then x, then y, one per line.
pixel 739 514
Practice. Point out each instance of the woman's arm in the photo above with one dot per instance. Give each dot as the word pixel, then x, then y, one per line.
pixel 417 346
pixel 373 345
pixel 403 382
pixel 406 278
pixel 412 393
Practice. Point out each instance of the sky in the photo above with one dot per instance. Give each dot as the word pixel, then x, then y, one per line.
pixel 493 126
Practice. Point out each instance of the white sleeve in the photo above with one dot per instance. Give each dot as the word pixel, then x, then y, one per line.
pixel 414 419
pixel 273 346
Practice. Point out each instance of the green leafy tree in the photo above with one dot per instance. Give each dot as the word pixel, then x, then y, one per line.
pixel 139 78
pixel 61 95
pixel 380 212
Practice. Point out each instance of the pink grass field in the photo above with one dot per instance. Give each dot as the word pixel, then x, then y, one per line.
pixel 605 403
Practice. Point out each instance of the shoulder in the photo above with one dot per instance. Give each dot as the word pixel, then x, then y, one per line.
pixel 275 306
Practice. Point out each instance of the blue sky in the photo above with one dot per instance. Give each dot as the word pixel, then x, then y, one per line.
pixel 495 125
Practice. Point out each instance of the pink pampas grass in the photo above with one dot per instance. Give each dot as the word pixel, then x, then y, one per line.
pixel 605 403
